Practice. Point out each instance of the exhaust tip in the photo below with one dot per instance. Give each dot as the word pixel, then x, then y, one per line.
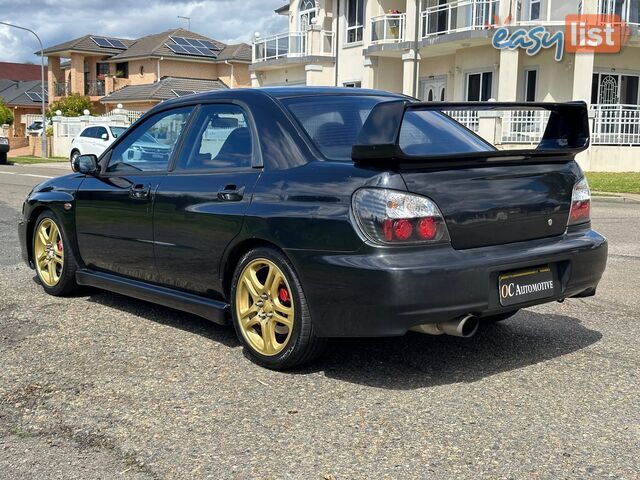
pixel 465 327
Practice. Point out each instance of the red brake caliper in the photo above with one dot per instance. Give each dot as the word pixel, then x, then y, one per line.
pixel 60 245
pixel 283 295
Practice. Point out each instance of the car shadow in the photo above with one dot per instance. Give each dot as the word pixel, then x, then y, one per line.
pixel 164 316
pixel 409 362
pixel 418 361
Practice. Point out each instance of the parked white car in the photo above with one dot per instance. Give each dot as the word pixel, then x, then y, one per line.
pixel 94 140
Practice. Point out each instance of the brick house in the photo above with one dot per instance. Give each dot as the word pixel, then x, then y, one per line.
pixel 98 66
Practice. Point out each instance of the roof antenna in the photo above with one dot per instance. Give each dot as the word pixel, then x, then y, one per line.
pixel 188 19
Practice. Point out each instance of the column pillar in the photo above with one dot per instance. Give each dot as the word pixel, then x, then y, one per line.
pixel 409 86
pixel 508 76
pixel 582 74
pixel 77 73
pixel 369 72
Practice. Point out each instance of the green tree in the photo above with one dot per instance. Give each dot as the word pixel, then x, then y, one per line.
pixel 71 106
pixel 6 115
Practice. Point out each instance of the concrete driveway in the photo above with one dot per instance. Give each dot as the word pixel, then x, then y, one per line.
pixel 103 386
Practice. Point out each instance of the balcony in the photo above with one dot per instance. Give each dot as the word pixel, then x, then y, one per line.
pixel 61 89
pixel 389 28
pixel 293 45
pixel 94 89
pixel 627 10
pixel 459 16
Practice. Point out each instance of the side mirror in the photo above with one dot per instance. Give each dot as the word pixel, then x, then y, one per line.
pixel 104 136
pixel 86 164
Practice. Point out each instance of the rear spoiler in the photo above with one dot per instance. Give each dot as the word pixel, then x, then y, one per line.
pixel 566 134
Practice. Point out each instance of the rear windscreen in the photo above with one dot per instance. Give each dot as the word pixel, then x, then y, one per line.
pixel 334 122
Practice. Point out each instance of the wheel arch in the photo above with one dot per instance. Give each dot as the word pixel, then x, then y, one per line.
pixel 235 253
pixel 54 202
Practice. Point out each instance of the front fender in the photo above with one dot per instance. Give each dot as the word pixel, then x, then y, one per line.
pixel 58 197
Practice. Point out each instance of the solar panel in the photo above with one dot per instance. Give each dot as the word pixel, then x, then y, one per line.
pixel 205 52
pixel 196 43
pixel 176 48
pixel 34 96
pixel 209 45
pixel 101 42
pixel 182 93
pixel 180 40
pixel 109 43
pixel 117 44
pixel 192 50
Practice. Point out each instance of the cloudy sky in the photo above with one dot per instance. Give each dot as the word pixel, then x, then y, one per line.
pixel 56 21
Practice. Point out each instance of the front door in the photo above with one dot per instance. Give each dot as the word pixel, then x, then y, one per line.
pixel 200 205
pixel 434 89
pixel 114 210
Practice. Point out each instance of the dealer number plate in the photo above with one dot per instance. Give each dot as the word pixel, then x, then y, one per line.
pixel 526 285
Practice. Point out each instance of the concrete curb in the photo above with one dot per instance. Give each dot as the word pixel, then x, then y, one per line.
pixel 606 197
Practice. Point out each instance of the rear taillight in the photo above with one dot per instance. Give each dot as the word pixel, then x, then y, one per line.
pixel 390 217
pixel 580 203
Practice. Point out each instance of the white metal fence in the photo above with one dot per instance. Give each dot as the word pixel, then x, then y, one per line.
pixel 458 16
pixel 615 125
pixel 468 118
pixel 291 44
pixel 524 126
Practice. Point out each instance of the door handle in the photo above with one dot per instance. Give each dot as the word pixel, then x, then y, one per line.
pixel 231 193
pixel 140 192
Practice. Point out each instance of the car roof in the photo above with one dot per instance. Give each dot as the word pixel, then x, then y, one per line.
pixel 279 93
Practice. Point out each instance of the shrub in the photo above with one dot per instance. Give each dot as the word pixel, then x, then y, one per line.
pixel 6 115
pixel 71 106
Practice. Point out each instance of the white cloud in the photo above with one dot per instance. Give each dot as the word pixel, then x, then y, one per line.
pixel 57 21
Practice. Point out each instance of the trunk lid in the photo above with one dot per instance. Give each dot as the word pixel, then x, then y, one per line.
pixel 500 204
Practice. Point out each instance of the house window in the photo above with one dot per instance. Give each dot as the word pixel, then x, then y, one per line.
pixel 355 20
pixel 534 9
pixel 352 84
pixel 479 86
pixel 102 69
pixel 530 85
pixel 307 13
pixel 122 70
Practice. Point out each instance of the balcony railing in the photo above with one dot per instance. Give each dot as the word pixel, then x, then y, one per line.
pixel 284 45
pixel 61 89
pixel 94 89
pixel 615 125
pixel 292 44
pixel 388 28
pixel 627 10
pixel 468 118
pixel 459 16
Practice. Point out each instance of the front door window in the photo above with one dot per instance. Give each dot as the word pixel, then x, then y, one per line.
pixel 613 89
pixel 150 146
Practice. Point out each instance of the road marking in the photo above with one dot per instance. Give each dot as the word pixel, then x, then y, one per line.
pixel 27 175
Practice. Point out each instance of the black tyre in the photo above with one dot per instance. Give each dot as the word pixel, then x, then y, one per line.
pixel 270 312
pixel 500 317
pixel 54 260
pixel 3 158
pixel 74 154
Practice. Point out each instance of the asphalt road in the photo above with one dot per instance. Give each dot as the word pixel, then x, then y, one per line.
pixel 103 386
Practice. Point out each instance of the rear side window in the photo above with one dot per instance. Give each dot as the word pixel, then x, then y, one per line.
pixel 220 139
pixel 333 122
pixel 88 132
pixel 431 133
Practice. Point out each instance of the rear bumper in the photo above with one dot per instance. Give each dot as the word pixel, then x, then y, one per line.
pixel 386 291
pixel 4 148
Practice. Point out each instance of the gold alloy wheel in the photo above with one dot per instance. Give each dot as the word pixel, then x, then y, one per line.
pixel 48 252
pixel 264 307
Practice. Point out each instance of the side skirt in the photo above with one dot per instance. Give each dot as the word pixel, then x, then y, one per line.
pixel 213 310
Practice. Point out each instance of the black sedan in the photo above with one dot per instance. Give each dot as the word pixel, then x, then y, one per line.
pixel 301 214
